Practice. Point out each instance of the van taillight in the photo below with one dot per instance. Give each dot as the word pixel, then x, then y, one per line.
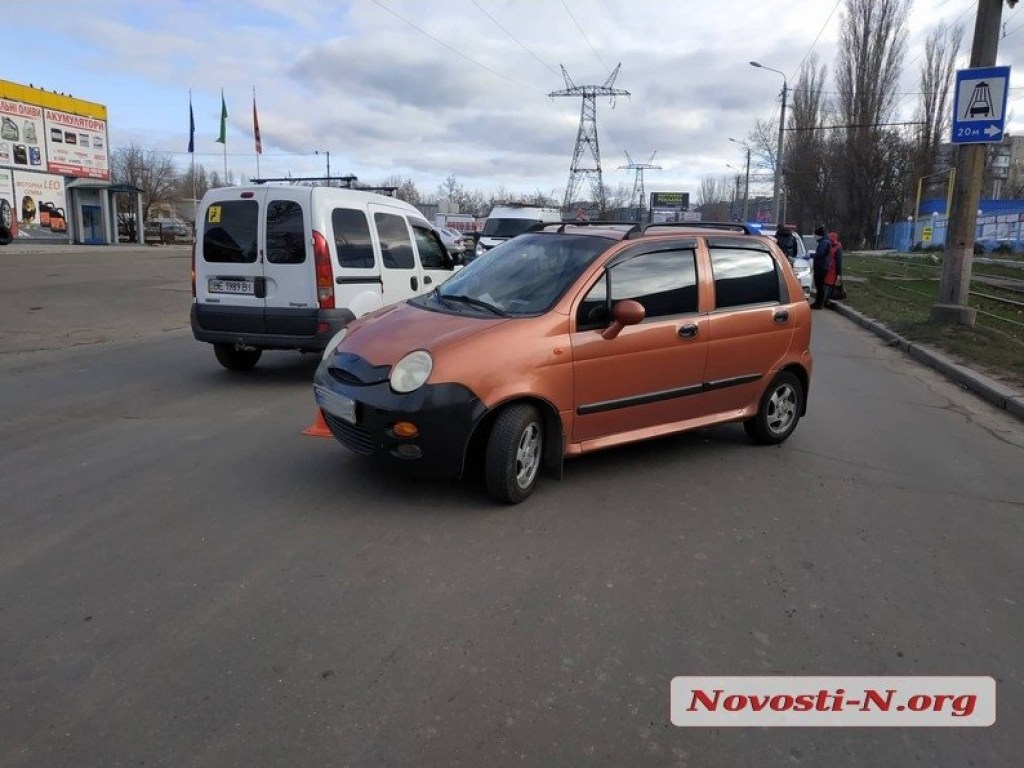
pixel 324 273
pixel 193 268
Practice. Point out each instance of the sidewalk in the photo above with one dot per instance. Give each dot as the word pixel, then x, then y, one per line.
pixel 995 392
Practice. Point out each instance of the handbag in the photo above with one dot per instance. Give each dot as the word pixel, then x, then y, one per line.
pixel 838 291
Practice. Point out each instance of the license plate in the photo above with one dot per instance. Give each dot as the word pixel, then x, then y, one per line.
pixel 215 285
pixel 337 405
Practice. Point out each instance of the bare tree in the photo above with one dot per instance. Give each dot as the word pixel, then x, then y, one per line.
pixel 937 73
pixel 810 198
pixel 872 47
pixel 149 170
pixel 405 189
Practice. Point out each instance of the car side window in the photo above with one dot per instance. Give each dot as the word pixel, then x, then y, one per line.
pixel 664 282
pixel 395 245
pixel 352 238
pixel 433 254
pixel 286 242
pixel 744 276
pixel 229 233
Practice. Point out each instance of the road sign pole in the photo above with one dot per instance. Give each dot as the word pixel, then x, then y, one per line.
pixel 951 306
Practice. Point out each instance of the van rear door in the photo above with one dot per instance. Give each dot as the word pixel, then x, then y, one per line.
pixel 288 269
pixel 230 285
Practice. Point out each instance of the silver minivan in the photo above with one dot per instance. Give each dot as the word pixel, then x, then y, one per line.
pixel 287 267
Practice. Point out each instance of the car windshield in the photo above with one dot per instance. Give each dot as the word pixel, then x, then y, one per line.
pixel 507 227
pixel 524 276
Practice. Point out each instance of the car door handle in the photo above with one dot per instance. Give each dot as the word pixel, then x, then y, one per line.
pixel 689 331
pixel 781 316
pixel 414 283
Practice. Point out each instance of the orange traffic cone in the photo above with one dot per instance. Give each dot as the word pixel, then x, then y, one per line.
pixel 319 427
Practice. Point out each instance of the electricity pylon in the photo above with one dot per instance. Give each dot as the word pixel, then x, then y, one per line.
pixel 586 137
pixel 639 197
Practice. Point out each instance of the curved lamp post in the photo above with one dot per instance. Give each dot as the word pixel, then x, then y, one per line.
pixel 778 154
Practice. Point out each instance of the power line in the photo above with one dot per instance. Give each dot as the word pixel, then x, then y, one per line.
pixel 514 38
pixel 592 48
pixel 450 48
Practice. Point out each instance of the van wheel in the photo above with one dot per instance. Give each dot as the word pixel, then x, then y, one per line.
pixel 6 222
pixel 235 359
pixel 779 411
pixel 514 449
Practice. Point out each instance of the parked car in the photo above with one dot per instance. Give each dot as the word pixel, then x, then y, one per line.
pixel 802 265
pixel 456 243
pixel 167 230
pixel 573 339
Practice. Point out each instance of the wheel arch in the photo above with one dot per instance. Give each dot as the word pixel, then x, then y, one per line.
pixel 805 382
pixel 554 439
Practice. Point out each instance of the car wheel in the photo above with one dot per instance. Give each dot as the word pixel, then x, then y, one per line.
pixel 514 449
pixel 235 359
pixel 779 411
pixel 6 222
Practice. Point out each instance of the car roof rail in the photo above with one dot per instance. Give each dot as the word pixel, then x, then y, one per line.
pixel 623 228
pixel 727 226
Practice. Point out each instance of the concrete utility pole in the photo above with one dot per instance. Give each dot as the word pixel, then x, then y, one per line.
pixel 951 306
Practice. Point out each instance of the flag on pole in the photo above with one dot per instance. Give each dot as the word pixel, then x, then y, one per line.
pixel 223 138
pixel 191 127
pixel 256 128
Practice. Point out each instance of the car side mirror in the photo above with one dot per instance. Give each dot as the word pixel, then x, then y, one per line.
pixel 626 312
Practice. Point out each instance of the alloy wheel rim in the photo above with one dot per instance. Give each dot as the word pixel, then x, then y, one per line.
pixel 781 409
pixel 528 455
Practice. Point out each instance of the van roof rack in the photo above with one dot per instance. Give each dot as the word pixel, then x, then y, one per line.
pixel 339 182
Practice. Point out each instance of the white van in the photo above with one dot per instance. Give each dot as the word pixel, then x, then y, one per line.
pixel 287 267
pixel 507 221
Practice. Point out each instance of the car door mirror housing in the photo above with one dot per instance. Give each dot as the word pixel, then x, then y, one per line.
pixel 626 312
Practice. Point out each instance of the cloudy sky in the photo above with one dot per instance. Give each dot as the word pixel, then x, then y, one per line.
pixel 427 90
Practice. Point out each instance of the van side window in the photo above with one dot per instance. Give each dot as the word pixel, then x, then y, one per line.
pixel 665 282
pixel 286 241
pixel 352 238
pixel 229 232
pixel 433 254
pixel 744 276
pixel 395 245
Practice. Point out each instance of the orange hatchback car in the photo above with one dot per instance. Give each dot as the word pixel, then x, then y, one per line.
pixel 570 339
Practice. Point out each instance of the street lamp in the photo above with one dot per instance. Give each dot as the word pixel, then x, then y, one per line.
pixel 782 125
pixel 328 153
pixel 746 182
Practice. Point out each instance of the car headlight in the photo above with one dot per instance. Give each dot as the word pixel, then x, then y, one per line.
pixel 332 345
pixel 411 371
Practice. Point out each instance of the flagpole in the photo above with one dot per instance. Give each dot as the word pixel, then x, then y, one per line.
pixel 223 132
pixel 192 154
pixel 256 131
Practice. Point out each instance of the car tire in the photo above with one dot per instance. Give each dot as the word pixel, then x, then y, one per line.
pixel 235 359
pixel 6 223
pixel 779 410
pixel 514 452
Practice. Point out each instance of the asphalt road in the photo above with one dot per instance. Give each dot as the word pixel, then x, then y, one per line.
pixel 187 580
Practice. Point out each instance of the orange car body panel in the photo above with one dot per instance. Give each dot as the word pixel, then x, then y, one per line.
pixel 581 374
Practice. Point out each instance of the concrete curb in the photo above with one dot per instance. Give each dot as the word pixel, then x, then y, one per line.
pixel 996 393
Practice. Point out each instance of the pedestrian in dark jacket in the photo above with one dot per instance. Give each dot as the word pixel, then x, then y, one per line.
pixel 786 241
pixel 821 260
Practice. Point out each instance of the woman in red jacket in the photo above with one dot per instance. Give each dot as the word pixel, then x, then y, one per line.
pixel 835 266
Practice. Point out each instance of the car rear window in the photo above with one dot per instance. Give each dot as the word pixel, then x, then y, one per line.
pixel 744 276
pixel 352 238
pixel 230 231
pixel 507 227
pixel 286 235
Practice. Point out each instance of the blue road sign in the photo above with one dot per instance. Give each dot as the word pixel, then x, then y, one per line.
pixel 979 105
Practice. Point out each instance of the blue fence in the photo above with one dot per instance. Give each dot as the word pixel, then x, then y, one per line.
pixel 1000 226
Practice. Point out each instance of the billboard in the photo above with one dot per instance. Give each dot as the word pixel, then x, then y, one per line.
pixel 52 133
pixel 669 206
pixel 39 205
